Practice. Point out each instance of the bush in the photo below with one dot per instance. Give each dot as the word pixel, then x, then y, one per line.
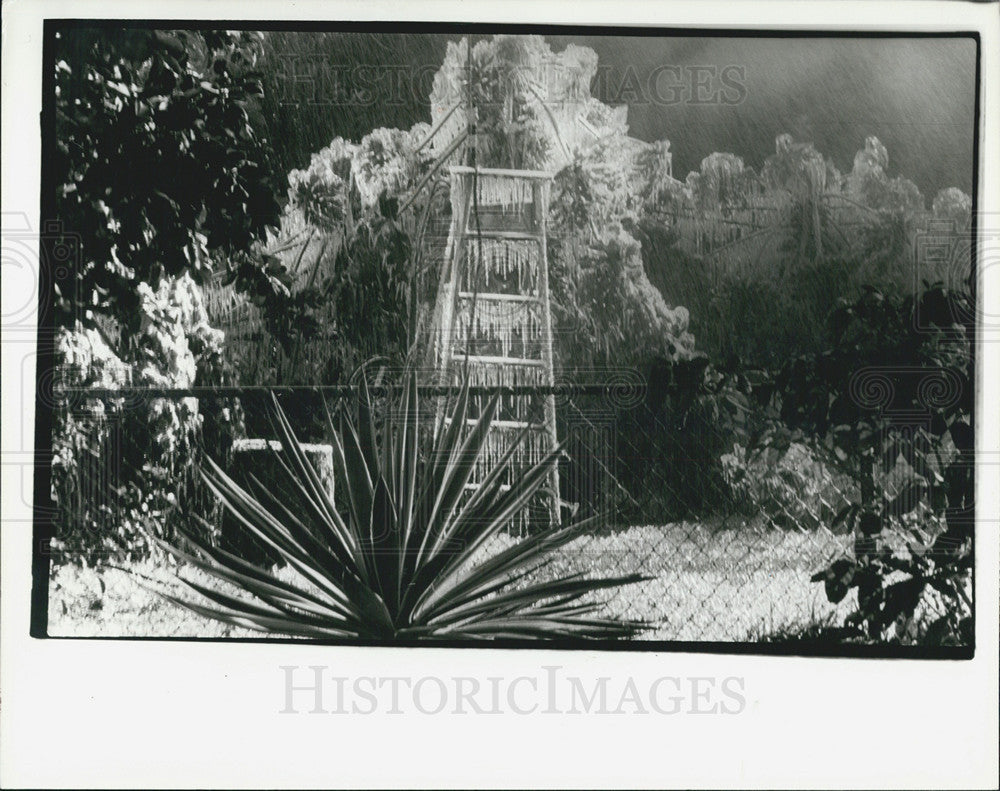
pixel 607 314
pixel 792 489
pixel 890 402
pixel 123 467
pixel 171 106
pixel 668 449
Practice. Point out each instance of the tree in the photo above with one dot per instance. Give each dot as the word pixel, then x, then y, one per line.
pixel 158 165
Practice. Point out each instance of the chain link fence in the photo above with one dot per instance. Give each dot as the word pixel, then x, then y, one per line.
pixel 727 540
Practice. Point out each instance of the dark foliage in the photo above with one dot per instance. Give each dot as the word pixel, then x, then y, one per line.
pixel 890 400
pixel 157 161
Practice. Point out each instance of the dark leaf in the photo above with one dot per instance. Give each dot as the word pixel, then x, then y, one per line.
pixel 870 523
pixel 908 498
pixel 844 516
pixel 963 436
pixel 838 579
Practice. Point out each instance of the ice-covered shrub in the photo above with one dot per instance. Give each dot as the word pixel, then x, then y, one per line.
pixel 384 164
pixel 954 205
pixel 606 310
pixel 122 466
pixel 81 432
pixel 320 191
pixel 513 130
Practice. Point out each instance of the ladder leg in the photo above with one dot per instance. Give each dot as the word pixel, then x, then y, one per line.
pixel 541 194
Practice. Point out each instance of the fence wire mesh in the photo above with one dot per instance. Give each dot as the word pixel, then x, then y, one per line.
pixel 727 545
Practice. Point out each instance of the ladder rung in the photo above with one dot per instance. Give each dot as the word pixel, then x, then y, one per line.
pixel 540 175
pixel 499 297
pixel 518 424
pixel 524 235
pixel 503 423
pixel 485 358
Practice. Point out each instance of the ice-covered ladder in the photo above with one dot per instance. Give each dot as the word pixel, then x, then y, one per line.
pixel 493 310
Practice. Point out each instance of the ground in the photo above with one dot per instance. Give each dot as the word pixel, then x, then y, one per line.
pixel 732 584
pixel 707 583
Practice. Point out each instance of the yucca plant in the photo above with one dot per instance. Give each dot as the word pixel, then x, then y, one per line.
pixel 402 558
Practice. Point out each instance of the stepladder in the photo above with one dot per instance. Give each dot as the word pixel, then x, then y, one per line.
pixel 493 321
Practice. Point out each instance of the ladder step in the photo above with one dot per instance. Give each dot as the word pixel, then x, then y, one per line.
pixel 485 358
pixel 471 233
pixel 518 424
pixel 539 175
pixel 499 297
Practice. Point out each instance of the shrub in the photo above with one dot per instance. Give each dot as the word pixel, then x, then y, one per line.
pixel 81 434
pixel 337 291
pixel 669 449
pixel 609 314
pixel 791 488
pixel 121 466
pixel 890 401
pixel 171 106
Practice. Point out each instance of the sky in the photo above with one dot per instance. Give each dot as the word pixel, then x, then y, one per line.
pixel 916 95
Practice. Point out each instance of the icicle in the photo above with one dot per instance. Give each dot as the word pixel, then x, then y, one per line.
pixel 505 192
pixel 514 326
pixel 501 259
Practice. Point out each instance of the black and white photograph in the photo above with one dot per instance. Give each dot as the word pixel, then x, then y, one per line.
pixel 635 340
pixel 351 348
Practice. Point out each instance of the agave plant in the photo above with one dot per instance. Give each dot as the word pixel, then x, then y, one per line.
pixel 402 558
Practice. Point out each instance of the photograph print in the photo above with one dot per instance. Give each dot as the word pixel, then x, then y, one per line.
pixel 472 335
